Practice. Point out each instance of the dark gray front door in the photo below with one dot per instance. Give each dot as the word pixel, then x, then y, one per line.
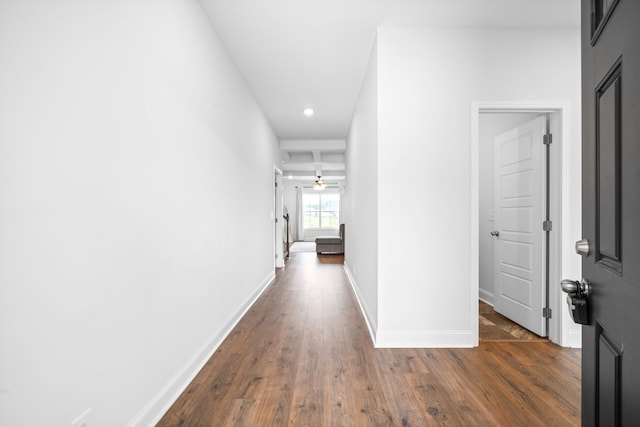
pixel 611 211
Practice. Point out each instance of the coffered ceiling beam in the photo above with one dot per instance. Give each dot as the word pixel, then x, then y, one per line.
pixel 313 166
pixel 322 145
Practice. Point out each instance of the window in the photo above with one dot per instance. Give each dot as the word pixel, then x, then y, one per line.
pixel 321 210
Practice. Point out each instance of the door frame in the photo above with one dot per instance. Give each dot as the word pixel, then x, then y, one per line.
pixel 561 331
pixel 276 216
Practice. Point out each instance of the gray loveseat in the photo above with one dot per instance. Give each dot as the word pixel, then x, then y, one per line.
pixel 331 244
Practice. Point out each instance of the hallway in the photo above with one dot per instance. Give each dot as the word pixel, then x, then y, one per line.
pixel 302 355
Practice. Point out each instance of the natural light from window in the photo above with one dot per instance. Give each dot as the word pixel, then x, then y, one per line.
pixel 321 210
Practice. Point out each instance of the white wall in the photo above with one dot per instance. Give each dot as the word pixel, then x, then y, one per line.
pixel 121 123
pixel 490 126
pixel 362 209
pixel 427 82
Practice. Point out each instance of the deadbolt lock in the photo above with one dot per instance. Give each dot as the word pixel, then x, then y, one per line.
pixel 577 299
pixel 582 247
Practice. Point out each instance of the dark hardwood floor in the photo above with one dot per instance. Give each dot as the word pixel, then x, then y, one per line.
pixel 302 356
pixel 495 327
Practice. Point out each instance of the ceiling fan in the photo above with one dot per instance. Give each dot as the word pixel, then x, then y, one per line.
pixel 319 184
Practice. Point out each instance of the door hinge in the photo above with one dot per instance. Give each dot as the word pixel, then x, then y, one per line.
pixel 547 225
pixel 546 313
pixel 547 139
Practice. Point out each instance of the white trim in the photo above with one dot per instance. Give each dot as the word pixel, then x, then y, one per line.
pixel 278 203
pixel 363 306
pixel 155 409
pixel 486 296
pixel 474 262
pixel 572 339
pixel 558 328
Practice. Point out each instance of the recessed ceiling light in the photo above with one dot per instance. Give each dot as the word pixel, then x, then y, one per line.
pixel 308 112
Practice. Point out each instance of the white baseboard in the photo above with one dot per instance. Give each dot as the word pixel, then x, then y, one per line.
pixel 363 306
pixel 486 296
pixel 574 339
pixel 425 339
pixel 162 401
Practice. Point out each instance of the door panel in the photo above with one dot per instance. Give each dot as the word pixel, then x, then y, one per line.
pixel 608 132
pixel 519 208
pixel 609 383
pixel 610 211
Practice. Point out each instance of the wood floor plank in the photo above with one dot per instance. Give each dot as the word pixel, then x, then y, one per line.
pixel 302 356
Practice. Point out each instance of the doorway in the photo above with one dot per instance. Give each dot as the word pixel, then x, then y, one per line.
pixel 278 219
pixel 513 200
pixel 488 121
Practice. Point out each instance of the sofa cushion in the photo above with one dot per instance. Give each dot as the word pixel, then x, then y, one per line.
pixel 328 240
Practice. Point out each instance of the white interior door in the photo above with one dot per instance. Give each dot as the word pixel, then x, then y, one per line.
pixel 519 206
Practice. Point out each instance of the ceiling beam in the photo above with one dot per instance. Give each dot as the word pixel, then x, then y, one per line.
pixel 311 178
pixel 317 161
pixel 323 145
pixel 313 166
pixel 317 157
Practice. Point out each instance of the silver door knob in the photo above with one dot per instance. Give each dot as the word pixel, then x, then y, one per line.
pixel 575 287
pixel 495 233
pixel 582 247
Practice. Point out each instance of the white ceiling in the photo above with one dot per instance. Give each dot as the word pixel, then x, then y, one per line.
pixel 299 53
pixel 313 53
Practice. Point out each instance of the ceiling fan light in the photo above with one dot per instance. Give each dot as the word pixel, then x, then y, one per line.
pixel 319 184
